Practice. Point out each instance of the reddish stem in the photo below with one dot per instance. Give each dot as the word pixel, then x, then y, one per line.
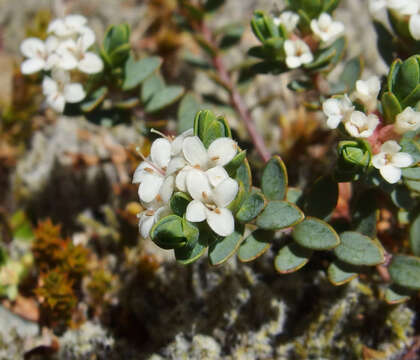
pixel 235 98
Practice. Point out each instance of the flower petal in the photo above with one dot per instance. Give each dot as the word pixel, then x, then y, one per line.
pixel 198 185
pixel 66 60
pixel 90 63
pixel 167 189
pixel 175 164
pixel 150 187
pixel 145 225
pixel 402 160
pixel 160 152
pixel 390 147
pixel 57 102
pixel 181 178
pixel 196 211
pixel 379 160
pixel 216 175
pixel 179 140
pixel 221 221
pixel 194 151
pixel 141 172
pixel 293 62
pixel 32 48
pixel 414 26
pixel 225 192
pixel 31 66
pixel 222 150
pixel 390 173
pixel 73 93
pixel 49 86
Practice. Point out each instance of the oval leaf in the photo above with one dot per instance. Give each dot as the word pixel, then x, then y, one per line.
pixel 274 179
pixel 396 295
pixel 415 235
pixel 164 98
pixel 251 207
pixel 358 249
pixel 340 273
pixel 405 271
pixel 168 233
pixel 279 215
pixel 254 245
pixel 315 234
pixel 222 249
pixel 322 198
pixel 135 72
pixel 291 257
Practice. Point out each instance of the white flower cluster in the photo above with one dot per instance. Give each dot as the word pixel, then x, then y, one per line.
pixel 184 164
pixel 389 160
pixel 406 8
pixel 357 123
pixel 66 49
pixel 297 51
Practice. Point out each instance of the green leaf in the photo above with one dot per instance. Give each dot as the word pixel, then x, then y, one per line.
pixel 21 227
pixel 385 42
pixel 201 121
pixel 339 45
pixel 231 35
pixel 396 295
pixel 223 248
pixel 214 131
pixel 127 104
pixel 168 232
pixel 251 207
pixel 291 258
pixel 153 84
pixel 179 202
pixel 315 234
pixel 254 245
pixel 412 147
pixel 365 213
pixel 274 179
pixel 188 108
pixel 411 173
pixel 392 75
pixel 263 27
pixel 195 247
pixel 322 198
pixel 413 185
pixel 116 45
pixel 402 197
pixel 321 59
pixel 135 72
pixel 235 163
pixel 300 86
pixel 407 78
pixel 348 77
pixel 390 106
pixel 415 235
pixel 293 195
pixel 340 273
pixel 164 98
pixel 279 215
pixel 94 99
pixel 358 249
pixel 243 174
pixel 405 271
pixel 412 98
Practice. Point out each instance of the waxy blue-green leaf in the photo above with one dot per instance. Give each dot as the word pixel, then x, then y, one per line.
pixel 279 215
pixel 396 295
pixel 385 42
pixel 348 77
pixel 291 258
pixel 135 72
pixel 415 235
pixel 294 195
pixel 168 233
pixel 358 249
pixel 402 197
pixel 340 273
pixel 230 35
pixel 412 185
pixel 223 248
pixel 251 207
pixel 254 245
pixel 234 164
pixel 322 198
pixel 315 234
pixel 153 84
pixel 188 108
pixel 243 174
pixel 405 271
pixel 274 179
pixel 411 173
pixel 365 213
pixel 164 98
pixel 407 78
pixel 412 147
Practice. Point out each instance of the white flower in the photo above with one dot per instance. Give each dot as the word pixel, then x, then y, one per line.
pixel 390 161
pixel 337 110
pixel 59 91
pixel 367 91
pixel 326 29
pixel 360 125
pixel 219 153
pixel 150 216
pixel 73 54
pixel 404 7
pixel 68 26
pixel 376 6
pixel 288 19
pixel 39 54
pixel 408 120
pixel 297 53
pixel 210 202
pixel 414 26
